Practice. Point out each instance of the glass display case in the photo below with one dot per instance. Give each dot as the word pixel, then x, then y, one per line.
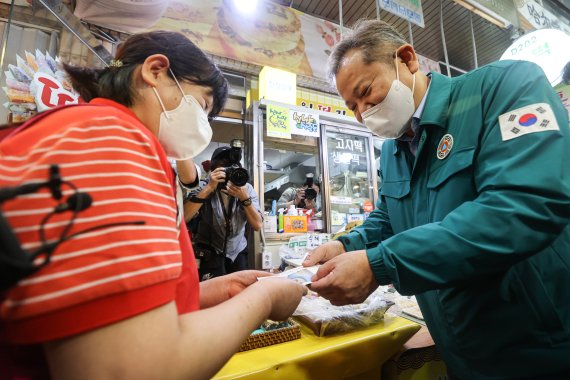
pixel 350 176
pixel 286 165
pixel 341 158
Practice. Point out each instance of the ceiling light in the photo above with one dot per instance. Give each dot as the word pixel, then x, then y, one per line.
pixel 245 6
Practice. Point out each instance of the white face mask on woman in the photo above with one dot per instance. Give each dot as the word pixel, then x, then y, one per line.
pixel 391 117
pixel 184 132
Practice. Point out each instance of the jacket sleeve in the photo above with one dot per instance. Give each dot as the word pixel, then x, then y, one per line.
pixel 288 195
pixel 375 229
pixel 523 201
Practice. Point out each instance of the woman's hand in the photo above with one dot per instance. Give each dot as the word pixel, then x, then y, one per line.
pixel 220 289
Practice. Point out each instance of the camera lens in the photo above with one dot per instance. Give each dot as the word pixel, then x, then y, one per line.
pixel 238 176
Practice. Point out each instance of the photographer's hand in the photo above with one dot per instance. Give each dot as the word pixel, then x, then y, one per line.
pixel 251 210
pixel 300 196
pixel 236 191
pixel 217 176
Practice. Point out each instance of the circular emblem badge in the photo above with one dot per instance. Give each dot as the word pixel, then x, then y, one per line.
pixel 444 147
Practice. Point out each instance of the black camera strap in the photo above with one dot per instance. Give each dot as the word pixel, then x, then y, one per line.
pixel 227 217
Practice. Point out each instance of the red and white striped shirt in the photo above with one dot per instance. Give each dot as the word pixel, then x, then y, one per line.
pixel 107 275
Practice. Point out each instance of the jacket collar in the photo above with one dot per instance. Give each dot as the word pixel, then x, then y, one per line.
pixel 437 102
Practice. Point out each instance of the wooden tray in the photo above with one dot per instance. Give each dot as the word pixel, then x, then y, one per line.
pixel 269 338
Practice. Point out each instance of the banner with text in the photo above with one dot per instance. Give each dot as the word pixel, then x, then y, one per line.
pixel 273 35
pixel 304 123
pixel 278 122
pixel 534 16
pixel 410 10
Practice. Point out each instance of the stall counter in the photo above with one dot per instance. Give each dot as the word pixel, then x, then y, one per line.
pixel 355 355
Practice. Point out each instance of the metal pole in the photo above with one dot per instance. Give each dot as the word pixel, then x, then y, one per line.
pixel 473 41
pixel 443 38
pixel 5 37
pixel 340 16
pixel 378 9
pixel 64 16
pixel 410 33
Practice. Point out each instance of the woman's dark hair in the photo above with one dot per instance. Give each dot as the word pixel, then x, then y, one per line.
pixel 187 62
pixel 566 74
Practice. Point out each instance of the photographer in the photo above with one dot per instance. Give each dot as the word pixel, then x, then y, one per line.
pixel 220 243
pixel 307 196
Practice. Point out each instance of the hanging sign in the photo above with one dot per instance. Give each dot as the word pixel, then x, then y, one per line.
pixel 410 10
pixel 539 18
pixel 278 85
pixel 278 122
pixel 548 48
pixel 322 102
pixel 304 123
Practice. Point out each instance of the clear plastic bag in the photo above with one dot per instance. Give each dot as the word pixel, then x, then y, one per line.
pixel 326 319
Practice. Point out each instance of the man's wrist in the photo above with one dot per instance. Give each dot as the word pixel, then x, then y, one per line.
pixel 210 187
pixel 246 202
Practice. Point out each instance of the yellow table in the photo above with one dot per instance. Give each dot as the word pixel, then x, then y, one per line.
pixel 354 355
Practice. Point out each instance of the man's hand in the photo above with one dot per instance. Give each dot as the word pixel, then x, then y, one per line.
pixel 345 279
pixel 323 253
pixel 236 191
pixel 216 177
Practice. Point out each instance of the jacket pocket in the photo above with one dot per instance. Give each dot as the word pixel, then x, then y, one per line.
pixel 455 163
pixel 395 189
pixel 534 289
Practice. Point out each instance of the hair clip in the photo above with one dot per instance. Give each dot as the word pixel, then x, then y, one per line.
pixel 116 63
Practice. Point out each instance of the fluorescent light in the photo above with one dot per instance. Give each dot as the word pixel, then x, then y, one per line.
pixel 245 6
pixel 486 13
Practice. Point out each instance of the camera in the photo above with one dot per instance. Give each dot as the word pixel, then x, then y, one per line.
pixel 310 193
pixel 237 175
pixel 234 172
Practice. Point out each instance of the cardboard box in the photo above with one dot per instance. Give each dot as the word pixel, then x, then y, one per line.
pixel 295 223
pixel 270 224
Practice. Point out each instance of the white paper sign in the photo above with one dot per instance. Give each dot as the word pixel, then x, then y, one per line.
pixel 354 217
pixel 304 123
pixel 341 200
pixel 314 241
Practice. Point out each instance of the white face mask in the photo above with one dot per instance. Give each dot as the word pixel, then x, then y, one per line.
pixel 391 118
pixel 184 132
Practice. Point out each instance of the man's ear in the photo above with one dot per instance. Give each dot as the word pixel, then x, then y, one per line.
pixel 407 54
pixel 153 68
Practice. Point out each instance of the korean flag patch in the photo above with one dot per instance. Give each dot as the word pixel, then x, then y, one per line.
pixel 530 119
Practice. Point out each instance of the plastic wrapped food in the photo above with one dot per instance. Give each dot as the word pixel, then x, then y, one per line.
pixel 26 82
pixel 326 319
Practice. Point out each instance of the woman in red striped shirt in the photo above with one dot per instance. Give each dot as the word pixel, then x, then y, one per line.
pixel 125 302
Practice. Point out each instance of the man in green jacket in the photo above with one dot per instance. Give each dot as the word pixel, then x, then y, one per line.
pixel 474 206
